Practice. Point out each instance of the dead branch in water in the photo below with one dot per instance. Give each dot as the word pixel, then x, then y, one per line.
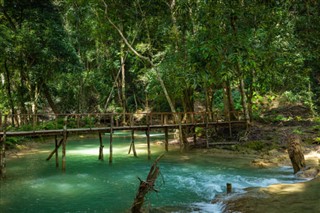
pixel 146 186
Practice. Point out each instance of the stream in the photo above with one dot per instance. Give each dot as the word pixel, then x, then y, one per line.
pixel 188 181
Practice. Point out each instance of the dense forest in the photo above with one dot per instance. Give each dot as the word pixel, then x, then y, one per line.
pixel 76 56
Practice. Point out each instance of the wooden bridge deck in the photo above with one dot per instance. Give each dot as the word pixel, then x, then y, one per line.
pixel 54 132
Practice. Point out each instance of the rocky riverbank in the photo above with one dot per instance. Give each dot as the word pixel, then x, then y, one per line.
pixel 298 197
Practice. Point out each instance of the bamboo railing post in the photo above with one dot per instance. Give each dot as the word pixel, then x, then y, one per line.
pixel 162 121
pixel 192 118
pixel 165 119
pixel 111 131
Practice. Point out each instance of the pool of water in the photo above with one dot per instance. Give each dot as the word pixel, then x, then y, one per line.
pixel 188 182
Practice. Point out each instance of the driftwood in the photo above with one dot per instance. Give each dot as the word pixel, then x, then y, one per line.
pixel 146 186
pixel 295 153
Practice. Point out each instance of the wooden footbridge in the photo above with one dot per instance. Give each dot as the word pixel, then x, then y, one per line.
pixel 63 125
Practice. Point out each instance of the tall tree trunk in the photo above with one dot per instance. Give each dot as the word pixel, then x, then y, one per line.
pixel 225 101
pixel 48 96
pixel 188 106
pixel 228 101
pixel 209 98
pixel 9 90
pixel 123 84
pixel 250 96
pixel 244 100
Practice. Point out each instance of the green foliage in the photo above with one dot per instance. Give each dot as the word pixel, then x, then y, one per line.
pixel 199 131
pixel 64 55
pixel 11 142
pixel 255 145
pixel 297 131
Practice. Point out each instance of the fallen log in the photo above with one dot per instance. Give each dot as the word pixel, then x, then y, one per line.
pixel 146 186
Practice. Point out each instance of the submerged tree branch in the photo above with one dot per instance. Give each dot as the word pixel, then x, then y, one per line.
pixel 146 186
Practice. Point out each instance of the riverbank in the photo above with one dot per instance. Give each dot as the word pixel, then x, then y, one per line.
pixel 298 197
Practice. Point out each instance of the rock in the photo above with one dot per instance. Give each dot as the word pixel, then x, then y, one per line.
pixel 263 163
pixel 309 172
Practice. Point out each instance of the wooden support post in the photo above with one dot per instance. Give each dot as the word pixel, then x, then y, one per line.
pixel 132 145
pixel 3 155
pixel 56 150
pixel 101 147
pixel 194 135
pixel 207 131
pixel 111 131
pixel 229 121
pixel 165 119
pixel 166 143
pixel 148 143
pixel 148 138
pixel 64 144
pixel 229 188
pixel 3 149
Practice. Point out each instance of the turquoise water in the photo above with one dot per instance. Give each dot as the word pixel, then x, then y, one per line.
pixel 188 182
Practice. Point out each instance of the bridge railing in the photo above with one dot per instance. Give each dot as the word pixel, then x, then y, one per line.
pixel 48 121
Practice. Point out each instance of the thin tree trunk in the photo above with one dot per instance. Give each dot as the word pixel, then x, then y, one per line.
pixel 250 96
pixel 9 91
pixel 123 84
pixel 244 101
pixel 228 101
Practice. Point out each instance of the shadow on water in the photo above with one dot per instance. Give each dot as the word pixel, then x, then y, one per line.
pixel 188 182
